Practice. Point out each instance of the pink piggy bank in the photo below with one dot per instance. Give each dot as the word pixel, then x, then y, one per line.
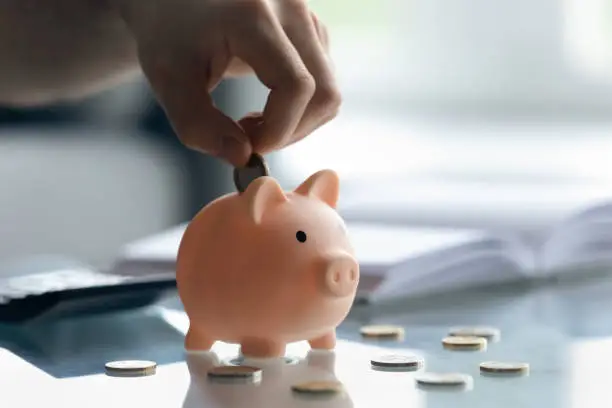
pixel 266 268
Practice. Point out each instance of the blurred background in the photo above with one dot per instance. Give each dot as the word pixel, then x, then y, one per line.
pixel 482 113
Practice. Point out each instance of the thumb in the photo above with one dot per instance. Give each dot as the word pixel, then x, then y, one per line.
pixel 198 123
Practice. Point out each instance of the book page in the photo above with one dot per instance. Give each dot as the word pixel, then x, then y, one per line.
pixel 583 240
pixel 413 260
pixel 380 247
pixel 469 268
pixel 160 247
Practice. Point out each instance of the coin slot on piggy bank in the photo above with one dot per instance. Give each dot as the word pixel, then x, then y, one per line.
pixel 265 267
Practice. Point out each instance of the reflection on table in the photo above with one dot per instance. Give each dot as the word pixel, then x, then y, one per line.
pixel 563 331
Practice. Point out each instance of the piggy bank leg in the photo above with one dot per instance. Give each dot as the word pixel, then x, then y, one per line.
pixel 262 348
pixel 323 359
pixel 196 341
pixel 325 342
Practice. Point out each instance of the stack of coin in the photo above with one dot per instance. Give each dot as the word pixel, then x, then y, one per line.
pixel 444 379
pixel 130 368
pixel 490 333
pixel 321 387
pixel 397 362
pixel 464 343
pixel 382 332
pixel 504 368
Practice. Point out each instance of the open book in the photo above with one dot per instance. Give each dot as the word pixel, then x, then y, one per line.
pixel 402 261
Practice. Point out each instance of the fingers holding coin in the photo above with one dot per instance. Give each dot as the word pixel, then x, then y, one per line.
pixel 198 123
pixel 263 44
pixel 184 57
pixel 291 59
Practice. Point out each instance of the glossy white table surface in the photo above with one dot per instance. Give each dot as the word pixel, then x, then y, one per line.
pixel 564 332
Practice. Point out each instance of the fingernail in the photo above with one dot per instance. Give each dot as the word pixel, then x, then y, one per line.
pixel 235 151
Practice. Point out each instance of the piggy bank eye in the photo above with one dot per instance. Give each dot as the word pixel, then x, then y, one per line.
pixel 300 236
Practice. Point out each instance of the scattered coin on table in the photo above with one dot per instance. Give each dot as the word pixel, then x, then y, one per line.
pixel 318 387
pixel 255 167
pixel 443 379
pixel 464 343
pixel 397 362
pixel 130 368
pixel 235 371
pixel 489 333
pixel 382 331
pixel 500 367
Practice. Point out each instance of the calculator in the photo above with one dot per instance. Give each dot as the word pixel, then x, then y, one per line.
pixel 65 289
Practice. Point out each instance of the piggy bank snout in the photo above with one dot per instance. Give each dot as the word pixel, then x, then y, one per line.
pixel 341 275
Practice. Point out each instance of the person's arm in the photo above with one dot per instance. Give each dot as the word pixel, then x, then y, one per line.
pixel 52 50
pixel 55 49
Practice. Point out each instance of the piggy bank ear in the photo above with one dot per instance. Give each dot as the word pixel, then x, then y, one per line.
pixel 262 194
pixel 324 185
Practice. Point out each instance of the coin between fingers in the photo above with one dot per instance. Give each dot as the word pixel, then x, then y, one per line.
pixel 256 167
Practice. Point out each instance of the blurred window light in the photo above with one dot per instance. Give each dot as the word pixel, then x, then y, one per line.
pixel 470 90
pixel 588 36
pixel 360 148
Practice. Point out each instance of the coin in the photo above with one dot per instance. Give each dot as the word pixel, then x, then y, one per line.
pixel 382 331
pixel 443 379
pixel 130 368
pixel 318 387
pixel 464 343
pixel 397 361
pixel 489 333
pixel 499 367
pixel 256 167
pixel 235 371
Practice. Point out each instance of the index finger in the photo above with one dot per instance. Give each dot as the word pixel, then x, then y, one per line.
pixel 267 49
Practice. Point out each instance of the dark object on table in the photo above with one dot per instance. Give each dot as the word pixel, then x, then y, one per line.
pixel 70 289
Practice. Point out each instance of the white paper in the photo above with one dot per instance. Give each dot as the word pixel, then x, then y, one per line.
pixel 162 247
pixel 582 239
pixel 379 247
pixel 472 268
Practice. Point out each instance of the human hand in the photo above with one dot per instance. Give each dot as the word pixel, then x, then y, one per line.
pixel 186 47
